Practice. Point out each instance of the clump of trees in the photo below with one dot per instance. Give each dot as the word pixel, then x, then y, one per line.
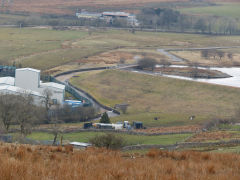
pixel 216 122
pixel 22 111
pixel 109 141
pixel 169 19
pixel 213 53
pixel 147 63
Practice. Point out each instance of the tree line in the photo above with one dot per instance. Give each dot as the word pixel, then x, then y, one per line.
pixel 166 19
pixel 213 53
pixel 21 110
pixel 169 19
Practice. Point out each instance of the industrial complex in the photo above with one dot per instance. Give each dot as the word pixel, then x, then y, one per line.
pixel 27 81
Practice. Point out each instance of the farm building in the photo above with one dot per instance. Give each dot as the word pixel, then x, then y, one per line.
pixel 27 81
pixel 109 16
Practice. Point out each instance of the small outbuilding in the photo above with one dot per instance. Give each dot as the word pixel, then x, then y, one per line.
pixel 80 145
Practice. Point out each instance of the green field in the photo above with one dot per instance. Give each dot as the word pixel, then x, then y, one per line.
pixel 45 49
pixel 223 9
pixel 171 100
pixel 129 139
pixel 20 45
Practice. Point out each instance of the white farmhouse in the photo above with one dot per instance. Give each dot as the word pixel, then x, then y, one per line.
pixel 27 81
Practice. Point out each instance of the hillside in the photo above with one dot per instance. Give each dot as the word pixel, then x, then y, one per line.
pixel 42 162
pixel 172 101
pixel 70 6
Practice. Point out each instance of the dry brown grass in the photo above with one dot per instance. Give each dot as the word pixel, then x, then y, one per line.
pixel 214 136
pixel 188 128
pixel 42 162
pixel 195 57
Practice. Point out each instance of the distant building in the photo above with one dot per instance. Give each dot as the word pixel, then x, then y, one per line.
pixel 88 15
pixel 27 81
pixel 109 16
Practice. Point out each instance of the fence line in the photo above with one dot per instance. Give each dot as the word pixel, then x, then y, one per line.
pixel 182 145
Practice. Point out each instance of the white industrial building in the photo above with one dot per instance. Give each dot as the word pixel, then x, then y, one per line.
pixel 27 81
pixel 131 19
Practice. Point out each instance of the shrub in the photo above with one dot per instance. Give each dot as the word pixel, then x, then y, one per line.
pixel 109 141
pixel 105 118
pixel 147 63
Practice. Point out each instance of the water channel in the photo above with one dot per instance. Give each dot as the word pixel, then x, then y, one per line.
pixel 233 81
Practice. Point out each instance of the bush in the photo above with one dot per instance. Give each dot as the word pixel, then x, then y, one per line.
pixel 109 141
pixel 215 122
pixel 147 63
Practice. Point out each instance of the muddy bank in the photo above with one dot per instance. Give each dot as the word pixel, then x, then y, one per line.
pixel 192 72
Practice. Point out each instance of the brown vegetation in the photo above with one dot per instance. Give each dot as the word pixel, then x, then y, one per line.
pixel 214 136
pixel 42 162
pixel 191 72
pixel 188 128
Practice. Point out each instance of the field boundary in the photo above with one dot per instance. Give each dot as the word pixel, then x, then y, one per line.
pixel 78 130
pixel 182 145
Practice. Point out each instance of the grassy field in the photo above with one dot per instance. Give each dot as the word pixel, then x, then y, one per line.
pixel 172 101
pixel 62 50
pixel 129 139
pixel 16 44
pixel 221 9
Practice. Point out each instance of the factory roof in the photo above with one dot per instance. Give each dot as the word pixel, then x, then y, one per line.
pixel 7 81
pixel 28 69
pixel 19 90
pixel 54 85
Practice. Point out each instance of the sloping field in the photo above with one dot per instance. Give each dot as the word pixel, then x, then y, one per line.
pixel 172 101
pixel 46 49
pixel 222 9
pixel 70 6
pixel 62 163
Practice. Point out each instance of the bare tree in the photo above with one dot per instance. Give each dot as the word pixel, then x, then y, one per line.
pixel 25 111
pixel 47 101
pixel 205 53
pixel 230 55
pixel 213 53
pixel 220 54
pixel 7 109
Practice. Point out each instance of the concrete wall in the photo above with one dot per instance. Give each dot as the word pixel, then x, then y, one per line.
pixel 29 79
pixel 37 100
pixel 57 94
